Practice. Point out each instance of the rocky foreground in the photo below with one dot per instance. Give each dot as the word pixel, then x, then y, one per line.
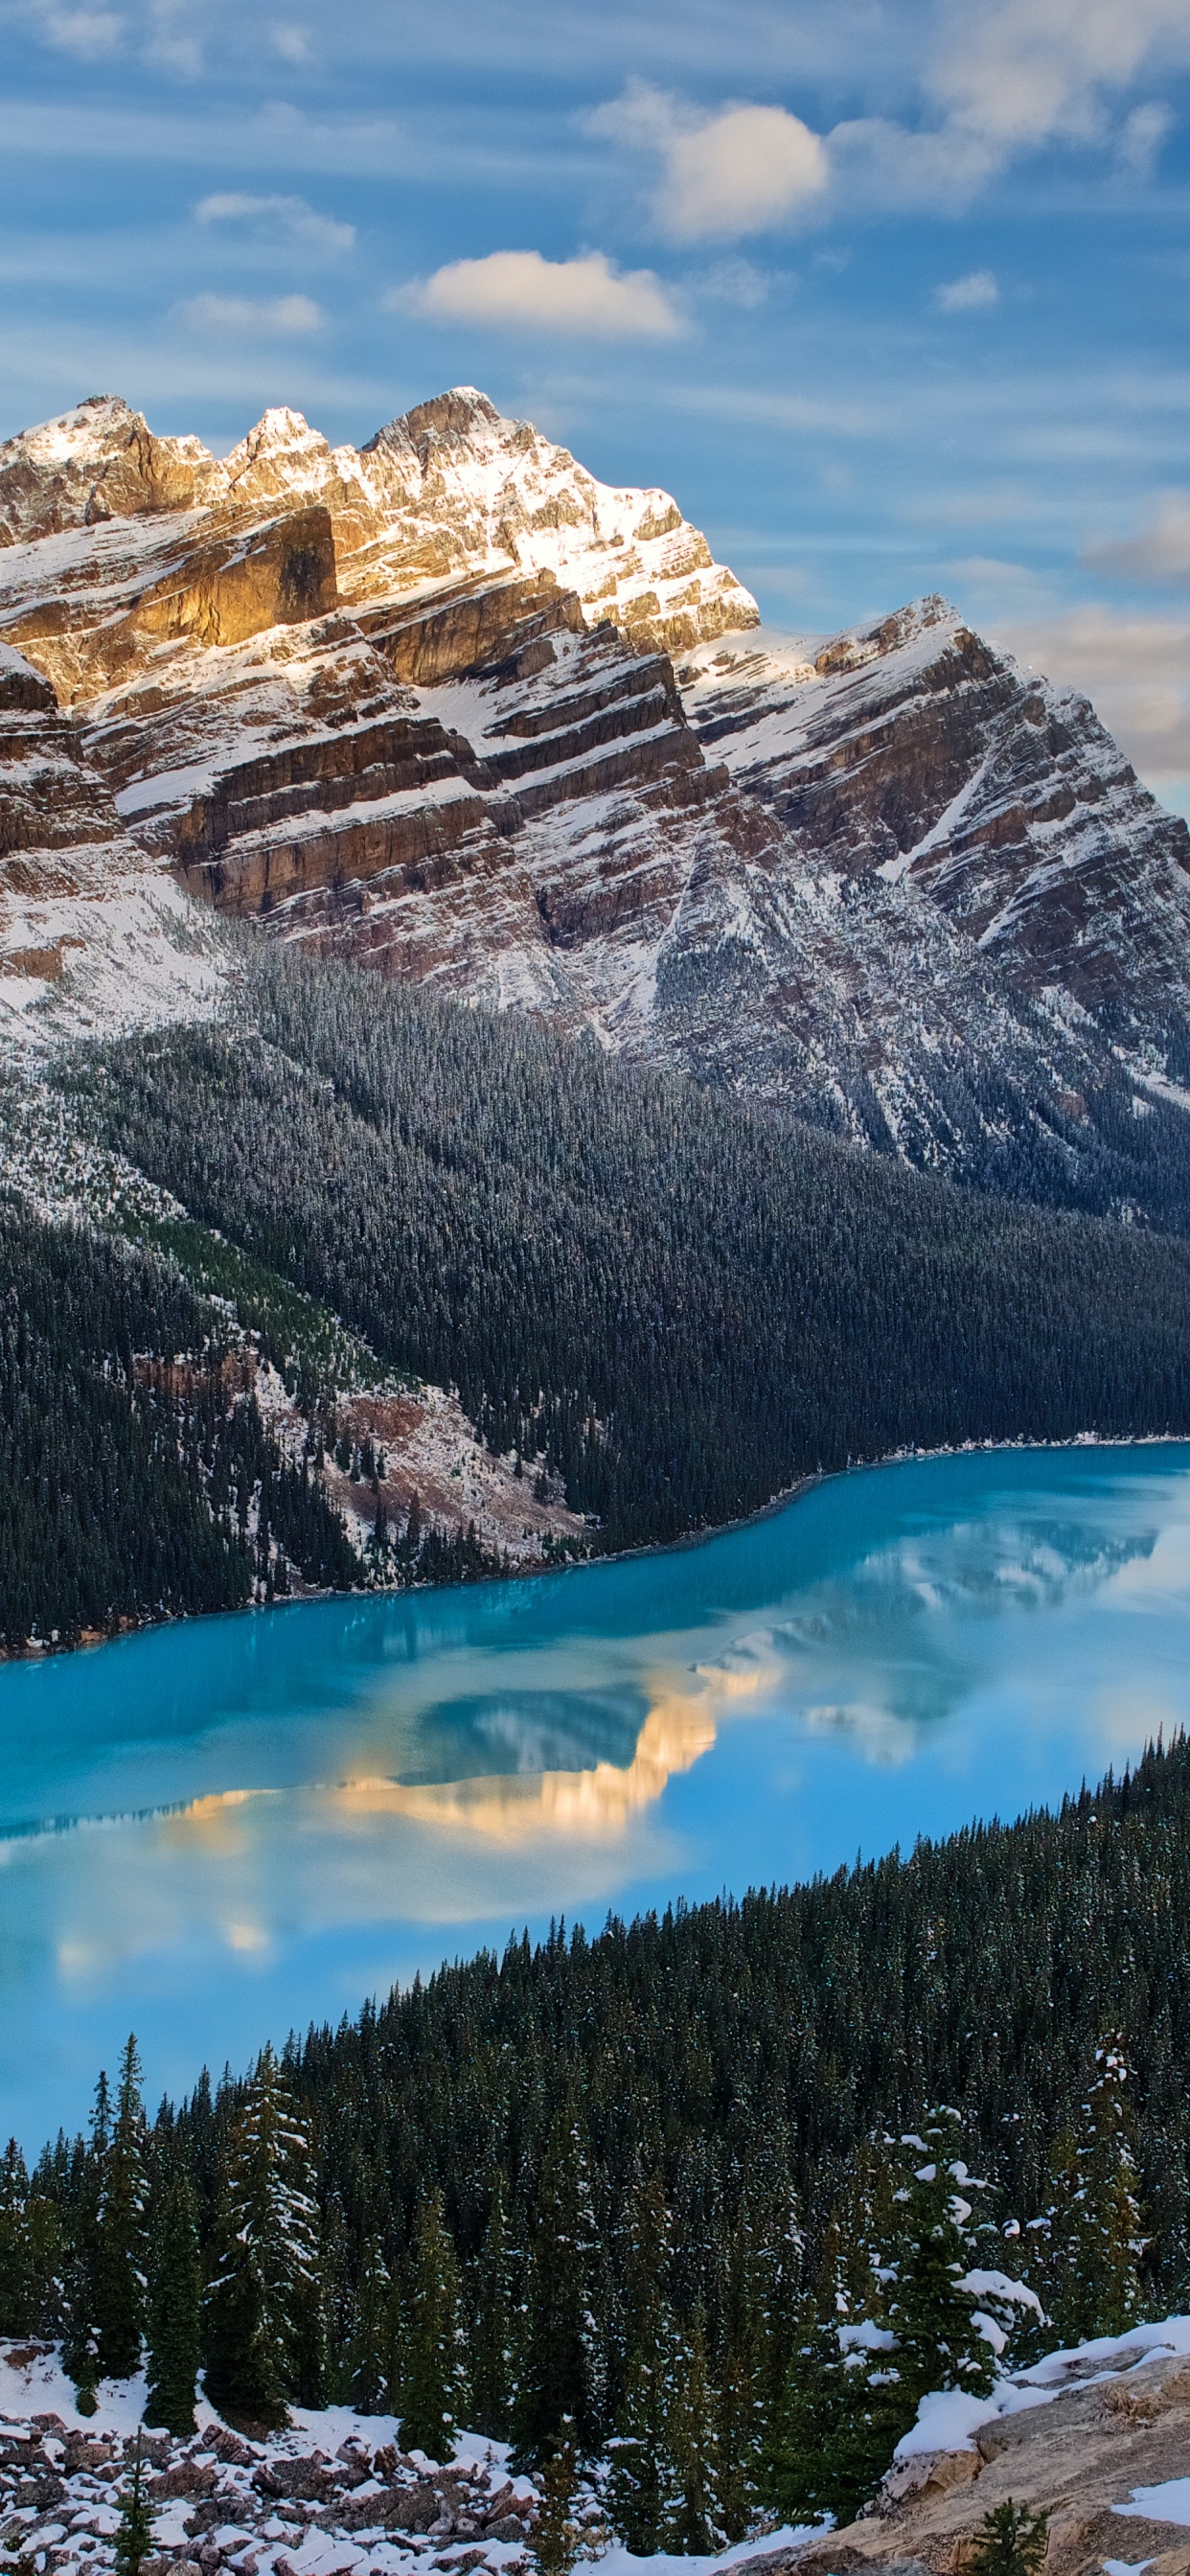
pixel 332 2494
pixel 1097 2438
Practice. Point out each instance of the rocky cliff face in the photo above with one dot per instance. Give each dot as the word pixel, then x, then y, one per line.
pixel 447 705
pixel 1097 2439
pixel 74 887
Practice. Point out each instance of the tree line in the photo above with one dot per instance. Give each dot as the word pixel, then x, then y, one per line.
pixel 677 1303
pixel 713 2198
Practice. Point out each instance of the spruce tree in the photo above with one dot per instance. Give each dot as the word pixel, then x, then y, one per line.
pixel 555 2543
pixel 739 2421
pixel 1093 2236
pixel 265 2256
pixel 134 2533
pixel 492 2334
pixel 371 2361
pixel 174 2307
pixel 930 2310
pixel 691 2524
pixel 121 2251
pixel 1011 2541
pixel 637 2486
pixel 556 2373
pixel 17 2289
pixel 433 2383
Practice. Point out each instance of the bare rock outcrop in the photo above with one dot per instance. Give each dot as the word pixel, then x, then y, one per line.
pixel 1093 2440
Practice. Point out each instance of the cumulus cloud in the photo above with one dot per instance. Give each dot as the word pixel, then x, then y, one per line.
pixel 518 290
pixel 1159 552
pixel 1135 669
pixel 743 170
pixel 975 293
pixel 281 316
pixel 1017 72
pixel 1141 137
pixel 285 214
pixel 292 43
pixel 86 33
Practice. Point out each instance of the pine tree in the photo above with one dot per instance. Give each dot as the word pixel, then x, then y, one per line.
pixel 637 2481
pixel 691 2526
pixel 80 2337
pixel 174 2307
pixel 266 2264
pixel 371 2361
pixel 1011 2541
pixel 1093 2237
pixel 932 2314
pixel 121 2251
pixel 17 2291
pixel 555 2543
pixel 557 2376
pixel 134 2533
pixel 492 2340
pixel 433 2384
pixel 841 2411
pixel 739 2422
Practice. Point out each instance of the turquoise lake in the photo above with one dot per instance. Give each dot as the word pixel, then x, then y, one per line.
pixel 213 1832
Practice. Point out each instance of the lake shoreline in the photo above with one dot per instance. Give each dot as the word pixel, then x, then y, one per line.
pixel 38 1651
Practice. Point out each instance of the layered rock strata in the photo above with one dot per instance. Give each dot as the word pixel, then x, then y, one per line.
pixel 447 706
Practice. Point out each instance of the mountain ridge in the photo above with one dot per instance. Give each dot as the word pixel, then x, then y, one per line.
pixel 447 707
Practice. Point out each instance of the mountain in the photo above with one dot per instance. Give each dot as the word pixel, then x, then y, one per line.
pixel 448 707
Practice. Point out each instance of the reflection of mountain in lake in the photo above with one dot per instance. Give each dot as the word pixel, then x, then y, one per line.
pixel 522 1731
pixel 517 1807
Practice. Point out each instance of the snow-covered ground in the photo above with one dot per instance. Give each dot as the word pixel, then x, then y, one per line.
pixel 334 2495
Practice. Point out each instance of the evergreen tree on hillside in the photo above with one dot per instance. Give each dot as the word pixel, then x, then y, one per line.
pixel 557 2370
pixel 1092 2238
pixel 174 2306
pixel 492 2332
pixel 638 2496
pixel 265 2247
pixel 433 2381
pixel 372 2359
pixel 692 2525
pixel 17 2287
pixel 739 2419
pixel 121 2249
pixel 932 2312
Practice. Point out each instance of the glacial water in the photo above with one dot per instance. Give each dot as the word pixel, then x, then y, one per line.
pixel 212 1832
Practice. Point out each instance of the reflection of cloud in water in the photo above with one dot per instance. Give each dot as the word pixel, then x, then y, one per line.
pixel 1162 1573
pixel 516 1808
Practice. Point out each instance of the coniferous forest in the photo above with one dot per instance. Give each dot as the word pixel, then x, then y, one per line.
pixel 666 1304
pixel 714 2198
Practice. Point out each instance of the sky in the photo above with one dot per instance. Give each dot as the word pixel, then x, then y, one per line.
pixel 891 294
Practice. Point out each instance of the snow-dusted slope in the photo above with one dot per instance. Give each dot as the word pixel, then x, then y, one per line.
pixel 91 935
pixel 416 703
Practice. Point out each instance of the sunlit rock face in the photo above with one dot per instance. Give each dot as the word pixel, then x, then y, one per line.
pixel 448 707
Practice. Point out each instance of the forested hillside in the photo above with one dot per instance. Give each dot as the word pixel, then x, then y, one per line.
pixel 641 2182
pixel 678 1303
pixel 136 1477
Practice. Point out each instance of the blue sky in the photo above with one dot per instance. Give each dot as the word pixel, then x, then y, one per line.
pixel 891 293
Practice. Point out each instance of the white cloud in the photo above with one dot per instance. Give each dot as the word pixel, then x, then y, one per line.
pixel 86 33
pixel 975 293
pixel 281 316
pixel 1135 669
pixel 1018 72
pixel 744 170
pixel 286 214
pixel 292 43
pixel 1159 552
pixel 518 290
pixel 1142 136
